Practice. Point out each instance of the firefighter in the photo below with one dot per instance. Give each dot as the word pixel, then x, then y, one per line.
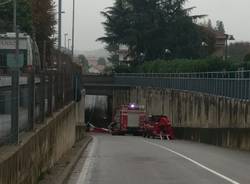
pixel 162 127
pixel 166 128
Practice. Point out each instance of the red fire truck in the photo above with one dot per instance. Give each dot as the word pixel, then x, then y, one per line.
pixel 128 119
pixel 158 126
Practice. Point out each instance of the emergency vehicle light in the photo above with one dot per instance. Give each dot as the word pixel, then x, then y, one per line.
pixel 133 106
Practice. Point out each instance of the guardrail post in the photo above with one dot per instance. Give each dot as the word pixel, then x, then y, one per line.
pixel 31 100
pixel 15 97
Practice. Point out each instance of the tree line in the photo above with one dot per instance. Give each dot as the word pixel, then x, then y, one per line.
pixel 150 28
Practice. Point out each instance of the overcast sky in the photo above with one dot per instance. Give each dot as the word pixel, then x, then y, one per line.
pixel 234 13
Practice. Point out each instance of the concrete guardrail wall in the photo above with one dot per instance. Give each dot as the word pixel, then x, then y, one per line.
pixel 196 116
pixel 39 149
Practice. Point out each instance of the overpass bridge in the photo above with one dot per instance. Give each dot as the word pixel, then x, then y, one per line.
pixel 96 84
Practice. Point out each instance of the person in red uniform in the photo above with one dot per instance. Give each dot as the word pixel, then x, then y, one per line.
pixel 165 126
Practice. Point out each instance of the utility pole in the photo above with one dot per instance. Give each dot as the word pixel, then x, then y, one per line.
pixel 15 92
pixel 14 16
pixel 73 30
pixel 59 24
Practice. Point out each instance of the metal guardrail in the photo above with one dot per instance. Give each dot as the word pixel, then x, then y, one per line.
pixel 39 96
pixel 233 84
pixel 219 74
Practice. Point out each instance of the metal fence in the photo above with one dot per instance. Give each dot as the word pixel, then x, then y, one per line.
pixel 38 97
pixel 235 84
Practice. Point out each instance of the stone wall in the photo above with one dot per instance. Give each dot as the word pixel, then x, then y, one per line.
pixel 196 116
pixel 39 150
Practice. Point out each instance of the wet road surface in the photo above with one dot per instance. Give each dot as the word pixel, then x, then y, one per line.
pixel 135 160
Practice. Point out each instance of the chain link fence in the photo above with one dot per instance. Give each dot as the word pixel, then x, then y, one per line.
pixel 234 84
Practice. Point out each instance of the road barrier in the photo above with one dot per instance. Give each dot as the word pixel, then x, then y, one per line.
pixel 233 84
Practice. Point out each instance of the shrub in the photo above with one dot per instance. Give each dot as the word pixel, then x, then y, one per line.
pixel 247 57
pixel 184 66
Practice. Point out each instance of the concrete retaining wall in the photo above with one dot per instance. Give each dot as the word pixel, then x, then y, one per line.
pixel 39 150
pixel 224 121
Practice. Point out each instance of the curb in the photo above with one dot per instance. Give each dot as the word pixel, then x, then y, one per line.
pixel 67 171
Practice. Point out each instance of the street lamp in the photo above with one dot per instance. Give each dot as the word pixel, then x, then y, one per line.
pixel 73 31
pixel 59 24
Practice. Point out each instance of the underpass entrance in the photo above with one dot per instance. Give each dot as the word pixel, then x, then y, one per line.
pixel 98 110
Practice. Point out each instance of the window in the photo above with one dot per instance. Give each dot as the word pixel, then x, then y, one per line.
pixel 11 60
pixel 7 59
pixel 2 60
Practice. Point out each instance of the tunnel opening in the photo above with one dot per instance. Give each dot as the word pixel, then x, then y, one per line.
pixel 98 110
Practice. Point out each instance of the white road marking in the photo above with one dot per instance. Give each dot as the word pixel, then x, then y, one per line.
pixel 195 162
pixel 86 170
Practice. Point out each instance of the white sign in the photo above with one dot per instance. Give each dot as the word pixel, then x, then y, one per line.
pixel 11 44
pixel 7 44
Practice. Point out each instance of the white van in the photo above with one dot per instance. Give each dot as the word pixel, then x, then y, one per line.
pixel 28 52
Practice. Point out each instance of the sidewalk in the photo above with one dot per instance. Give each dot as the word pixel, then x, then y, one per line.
pixel 63 168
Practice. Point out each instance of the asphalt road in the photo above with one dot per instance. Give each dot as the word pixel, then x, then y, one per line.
pixel 135 160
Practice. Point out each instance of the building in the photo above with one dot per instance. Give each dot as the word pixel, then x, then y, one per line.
pixel 124 54
pixel 221 44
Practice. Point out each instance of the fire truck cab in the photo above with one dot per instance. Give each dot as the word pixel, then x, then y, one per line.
pixel 128 119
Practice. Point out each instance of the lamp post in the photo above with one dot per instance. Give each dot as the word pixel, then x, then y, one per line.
pixel 15 94
pixel 15 91
pixel 73 31
pixel 59 24
pixel 14 15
